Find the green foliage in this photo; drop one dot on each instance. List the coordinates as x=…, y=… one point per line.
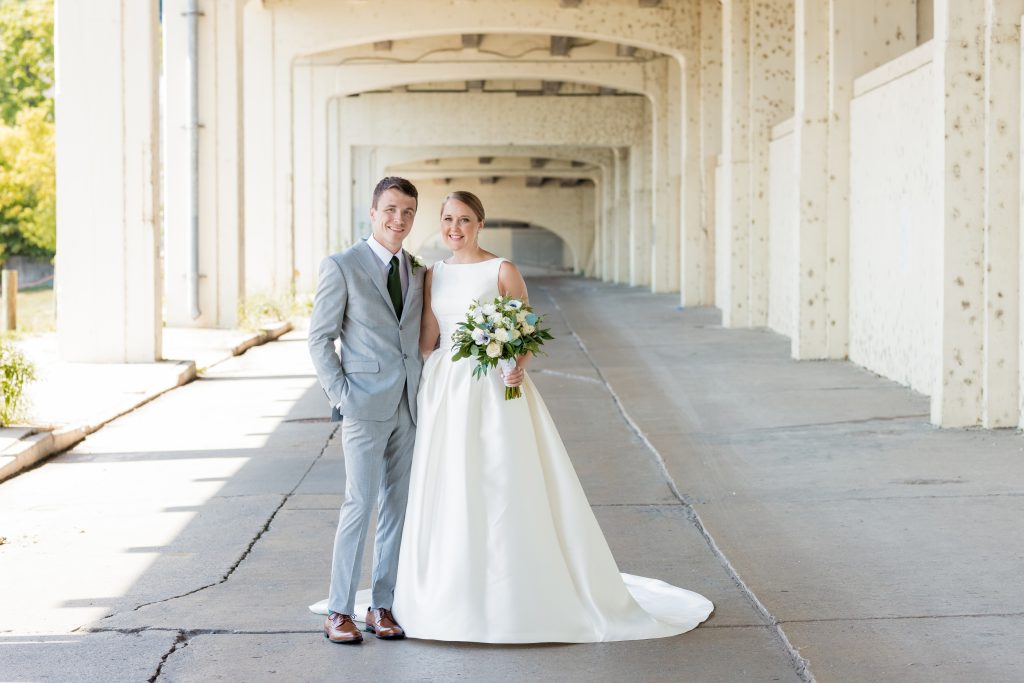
x=28, y=191
x=16, y=372
x=26, y=57
x=28, y=187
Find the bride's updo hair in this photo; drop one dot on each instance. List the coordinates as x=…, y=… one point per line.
x=467, y=198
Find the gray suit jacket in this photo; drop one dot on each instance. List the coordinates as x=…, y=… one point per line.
x=379, y=353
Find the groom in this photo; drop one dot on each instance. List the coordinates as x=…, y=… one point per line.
x=370, y=297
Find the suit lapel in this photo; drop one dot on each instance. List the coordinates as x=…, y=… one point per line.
x=372, y=266
x=414, y=296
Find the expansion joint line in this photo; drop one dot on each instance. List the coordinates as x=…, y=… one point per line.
x=800, y=665
x=253, y=542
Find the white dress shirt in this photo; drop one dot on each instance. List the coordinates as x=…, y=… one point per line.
x=384, y=254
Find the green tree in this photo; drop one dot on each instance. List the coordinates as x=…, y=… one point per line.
x=26, y=57
x=28, y=193
x=28, y=187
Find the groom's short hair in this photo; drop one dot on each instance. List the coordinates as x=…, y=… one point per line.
x=396, y=183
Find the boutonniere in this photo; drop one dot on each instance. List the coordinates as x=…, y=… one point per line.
x=417, y=262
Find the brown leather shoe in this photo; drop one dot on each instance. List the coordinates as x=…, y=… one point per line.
x=339, y=628
x=380, y=623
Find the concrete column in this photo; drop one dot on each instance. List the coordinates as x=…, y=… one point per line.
x=108, y=273
x=310, y=85
x=834, y=45
x=733, y=289
x=709, y=104
x=623, y=215
x=811, y=161
x=267, y=246
x=693, y=261
x=666, y=153
x=606, y=229
x=1001, y=362
x=771, y=102
x=640, y=203
x=221, y=210
x=334, y=182
x=959, y=61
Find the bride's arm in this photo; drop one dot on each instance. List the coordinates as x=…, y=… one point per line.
x=512, y=284
x=430, y=332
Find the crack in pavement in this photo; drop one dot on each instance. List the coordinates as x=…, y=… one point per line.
x=182, y=641
x=192, y=632
x=800, y=665
x=252, y=543
x=904, y=617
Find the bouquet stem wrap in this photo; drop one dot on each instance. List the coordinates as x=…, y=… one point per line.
x=507, y=365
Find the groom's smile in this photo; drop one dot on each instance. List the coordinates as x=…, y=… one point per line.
x=392, y=218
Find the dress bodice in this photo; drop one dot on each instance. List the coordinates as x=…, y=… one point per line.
x=453, y=287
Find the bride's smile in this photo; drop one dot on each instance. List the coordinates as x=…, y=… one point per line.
x=460, y=229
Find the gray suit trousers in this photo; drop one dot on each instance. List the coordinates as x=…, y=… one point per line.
x=378, y=459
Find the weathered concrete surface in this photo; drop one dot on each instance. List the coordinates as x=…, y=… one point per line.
x=886, y=548
x=68, y=401
x=190, y=535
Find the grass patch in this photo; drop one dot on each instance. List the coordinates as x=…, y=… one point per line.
x=36, y=313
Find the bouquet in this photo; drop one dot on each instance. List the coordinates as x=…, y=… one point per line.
x=495, y=334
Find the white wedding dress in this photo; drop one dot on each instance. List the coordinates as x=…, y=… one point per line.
x=500, y=544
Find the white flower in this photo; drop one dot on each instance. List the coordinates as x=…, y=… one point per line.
x=494, y=349
x=495, y=318
x=490, y=309
x=481, y=337
x=502, y=335
x=520, y=317
x=507, y=322
x=417, y=262
x=514, y=334
x=478, y=318
x=527, y=328
x=515, y=304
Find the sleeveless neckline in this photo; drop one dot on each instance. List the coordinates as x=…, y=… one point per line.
x=475, y=263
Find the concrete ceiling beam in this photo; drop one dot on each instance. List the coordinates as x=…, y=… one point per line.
x=538, y=162
x=625, y=50
x=483, y=161
x=535, y=181
x=383, y=45
x=471, y=41
x=560, y=46
x=560, y=174
x=551, y=87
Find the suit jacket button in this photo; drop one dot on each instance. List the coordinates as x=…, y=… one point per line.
x=404, y=356
x=400, y=327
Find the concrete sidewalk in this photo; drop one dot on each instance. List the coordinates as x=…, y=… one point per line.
x=68, y=401
x=810, y=501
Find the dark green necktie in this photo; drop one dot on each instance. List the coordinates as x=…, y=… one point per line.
x=395, y=286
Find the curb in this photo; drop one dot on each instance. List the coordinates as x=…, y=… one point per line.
x=35, y=448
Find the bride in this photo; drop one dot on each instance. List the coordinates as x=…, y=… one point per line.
x=500, y=544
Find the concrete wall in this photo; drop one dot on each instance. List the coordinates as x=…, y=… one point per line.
x=781, y=230
x=895, y=223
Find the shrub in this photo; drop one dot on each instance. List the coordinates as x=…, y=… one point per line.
x=16, y=372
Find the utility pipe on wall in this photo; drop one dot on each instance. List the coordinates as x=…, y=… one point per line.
x=192, y=14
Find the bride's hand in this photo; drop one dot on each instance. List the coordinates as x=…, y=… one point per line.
x=514, y=378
